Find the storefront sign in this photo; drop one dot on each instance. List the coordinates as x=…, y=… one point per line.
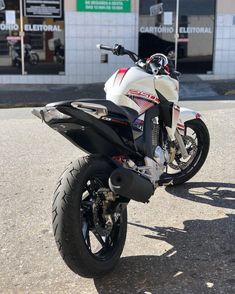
x=43, y=8
x=195, y=30
x=41, y=28
x=31, y=28
x=9, y=27
x=104, y=5
x=182, y=30
x=157, y=30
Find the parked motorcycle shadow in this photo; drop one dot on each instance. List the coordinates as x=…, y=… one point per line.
x=200, y=261
x=215, y=194
x=202, y=257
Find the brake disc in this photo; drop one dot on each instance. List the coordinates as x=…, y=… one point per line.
x=192, y=151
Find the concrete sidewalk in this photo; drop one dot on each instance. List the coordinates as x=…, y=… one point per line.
x=191, y=87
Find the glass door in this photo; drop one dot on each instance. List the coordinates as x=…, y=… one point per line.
x=43, y=41
x=157, y=27
x=10, y=46
x=157, y=32
x=196, y=36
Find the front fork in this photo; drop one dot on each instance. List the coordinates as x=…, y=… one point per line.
x=174, y=133
x=182, y=146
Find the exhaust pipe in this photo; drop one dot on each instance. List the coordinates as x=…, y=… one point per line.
x=129, y=184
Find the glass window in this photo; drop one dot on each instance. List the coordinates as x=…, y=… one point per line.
x=196, y=32
x=44, y=37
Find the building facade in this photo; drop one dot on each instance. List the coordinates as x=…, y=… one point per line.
x=60, y=38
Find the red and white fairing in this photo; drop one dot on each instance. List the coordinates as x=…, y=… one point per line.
x=134, y=88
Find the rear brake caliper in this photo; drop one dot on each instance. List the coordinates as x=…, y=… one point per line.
x=103, y=215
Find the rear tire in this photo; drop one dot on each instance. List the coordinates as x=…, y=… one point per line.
x=73, y=219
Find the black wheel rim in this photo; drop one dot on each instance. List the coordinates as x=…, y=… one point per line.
x=100, y=242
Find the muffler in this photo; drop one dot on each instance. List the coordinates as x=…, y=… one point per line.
x=130, y=184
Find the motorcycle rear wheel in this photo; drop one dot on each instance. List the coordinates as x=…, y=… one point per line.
x=201, y=146
x=78, y=220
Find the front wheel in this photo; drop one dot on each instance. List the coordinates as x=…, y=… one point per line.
x=197, y=141
x=89, y=228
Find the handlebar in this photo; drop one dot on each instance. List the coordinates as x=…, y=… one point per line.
x=104, y=47
x=154, y=68
x=118, y=50
x=155, y=64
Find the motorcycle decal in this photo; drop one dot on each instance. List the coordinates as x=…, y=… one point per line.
x=143, y=104
x=113, y=120
x=120, y=76
x=143, y=95
x=139, y=124
x=180, y=126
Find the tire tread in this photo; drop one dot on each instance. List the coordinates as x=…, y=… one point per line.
x=64, y=221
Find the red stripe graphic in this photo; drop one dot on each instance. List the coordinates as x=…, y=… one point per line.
x=180, y=126
x=143, y=95
x=143, y=104
x=120, y=75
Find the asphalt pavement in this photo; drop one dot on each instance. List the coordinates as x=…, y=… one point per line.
x=182, y=242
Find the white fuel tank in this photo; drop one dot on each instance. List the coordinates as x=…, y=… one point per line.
x=124, y=81
x=168, y=87
x=135, y=82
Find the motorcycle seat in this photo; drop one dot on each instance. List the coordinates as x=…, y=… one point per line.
x=113, y=109
x=125, y=112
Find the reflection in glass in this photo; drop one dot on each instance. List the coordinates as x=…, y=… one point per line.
x=44, y=42
x=196, y=32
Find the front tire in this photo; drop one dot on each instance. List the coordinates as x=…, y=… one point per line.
x=78, y=217
x=202, y=142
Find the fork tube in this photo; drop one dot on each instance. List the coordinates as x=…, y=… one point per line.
x=180, y=141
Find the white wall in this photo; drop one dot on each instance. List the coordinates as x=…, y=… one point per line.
x=83, y=30
x=224, y=56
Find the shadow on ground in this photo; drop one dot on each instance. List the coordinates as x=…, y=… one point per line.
x=215, y=194
x=201, y=259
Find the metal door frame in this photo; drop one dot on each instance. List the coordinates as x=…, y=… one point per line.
x=176, y=32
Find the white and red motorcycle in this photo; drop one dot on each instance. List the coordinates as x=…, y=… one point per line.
x=137, y=139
